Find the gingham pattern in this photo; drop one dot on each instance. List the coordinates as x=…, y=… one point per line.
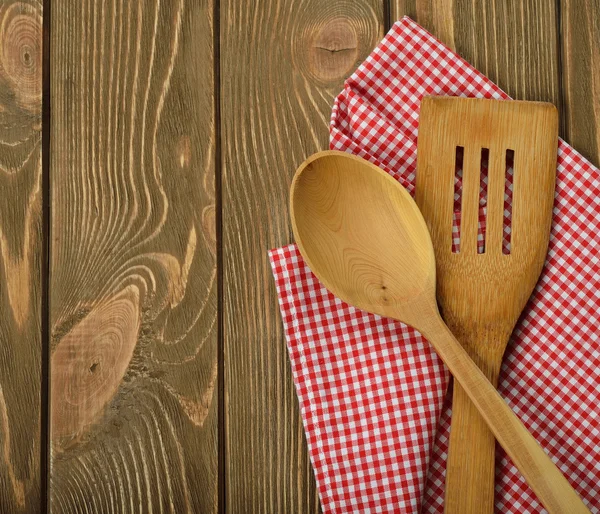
x=371, y=391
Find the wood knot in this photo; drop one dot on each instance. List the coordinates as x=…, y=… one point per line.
x=89, y=363
x=327, y=52
x=334, y=51
x=21, y=53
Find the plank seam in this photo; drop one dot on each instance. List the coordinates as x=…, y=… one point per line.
x=222, y=429
x=387, y=15
x=45, y=265
x=562, y=108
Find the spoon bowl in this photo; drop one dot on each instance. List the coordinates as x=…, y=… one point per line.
x=365, y=239
x=336, y=237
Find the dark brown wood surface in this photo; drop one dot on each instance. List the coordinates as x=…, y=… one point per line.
x=282, y=63
x=580, y=52
x=166, y=184
x=20, y=255
x=133, y=276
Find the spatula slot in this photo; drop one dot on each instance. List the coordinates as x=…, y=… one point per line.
x=458, y=180
x=483, y=183
x=509, y=165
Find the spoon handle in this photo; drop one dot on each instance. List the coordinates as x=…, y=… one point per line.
x=551, y=487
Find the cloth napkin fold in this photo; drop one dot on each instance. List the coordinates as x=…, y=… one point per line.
x=372, y=391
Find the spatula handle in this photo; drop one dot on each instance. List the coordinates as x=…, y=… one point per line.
x=470, y=468
x=551, y=487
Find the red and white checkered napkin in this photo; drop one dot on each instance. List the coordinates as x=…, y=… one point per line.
x=372, y=392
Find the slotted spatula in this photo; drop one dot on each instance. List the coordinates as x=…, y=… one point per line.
x=481, y=295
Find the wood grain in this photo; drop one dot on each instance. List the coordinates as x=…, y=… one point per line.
x=282, y=63
x=20, y=254
x=133, y=281
x=580, y=48
x=133, y=278
x=513, y=42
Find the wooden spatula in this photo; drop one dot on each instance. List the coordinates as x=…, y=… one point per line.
x=484, y=282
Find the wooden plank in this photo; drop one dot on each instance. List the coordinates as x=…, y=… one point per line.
x=513, y=42
x=20, y=254
x=580, y=47
x=133, y=278
x=282, y=64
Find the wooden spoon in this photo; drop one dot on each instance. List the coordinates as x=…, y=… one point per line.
x=365, y=239
x=482, y=293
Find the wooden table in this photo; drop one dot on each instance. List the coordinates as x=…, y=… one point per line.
x=146, y=149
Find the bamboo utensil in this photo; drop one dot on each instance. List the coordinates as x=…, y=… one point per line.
x=365, y=239
x=482, y=293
